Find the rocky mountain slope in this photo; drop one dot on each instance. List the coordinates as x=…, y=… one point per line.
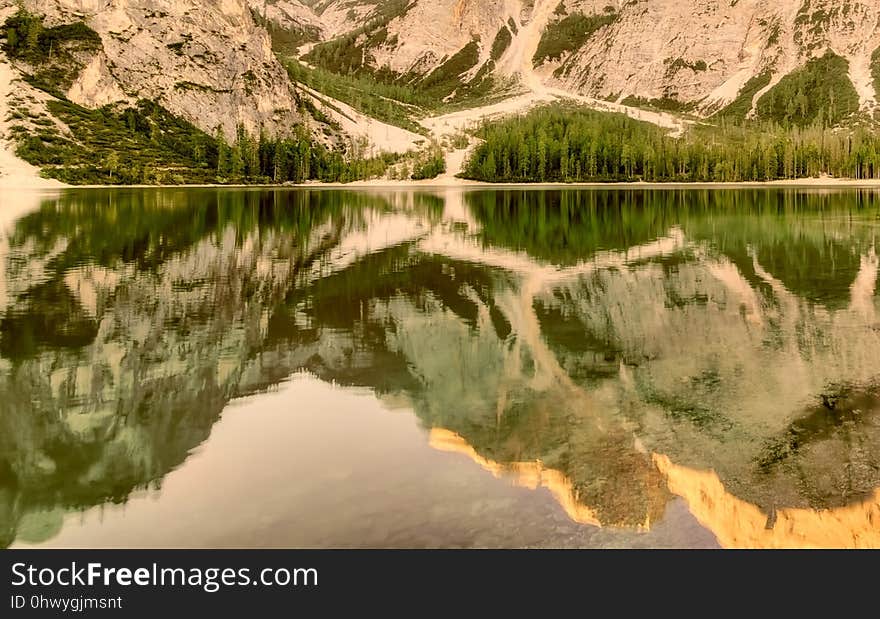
x=290, y=15
x=208, y=63
x=706, y=52
x=214, y=64
x=369, y=68
x=699, y=55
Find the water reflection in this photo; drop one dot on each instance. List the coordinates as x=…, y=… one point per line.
x=619, y=348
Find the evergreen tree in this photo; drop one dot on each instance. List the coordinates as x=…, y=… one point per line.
x=559, y=143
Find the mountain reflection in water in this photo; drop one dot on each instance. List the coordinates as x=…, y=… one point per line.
x=620, y=348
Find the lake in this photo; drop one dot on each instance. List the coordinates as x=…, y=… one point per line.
x=440, y=368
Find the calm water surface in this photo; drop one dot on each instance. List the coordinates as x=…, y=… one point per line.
x=440, y=368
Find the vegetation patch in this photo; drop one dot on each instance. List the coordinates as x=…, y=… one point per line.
x=875, y=71
x=140, y=144
x=665, y=104
x=813, y=23
x=570, y=33
x=393, y=103
x=674, y=65
x=739, y=108
x=446, y=78
x=501, y=43
x=429, y=165
x=820, y=91
x=56, y=54
x=146, y=144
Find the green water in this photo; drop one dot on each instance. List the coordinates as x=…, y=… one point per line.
x=440, y=368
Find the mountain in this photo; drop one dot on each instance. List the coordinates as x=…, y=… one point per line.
x=698, y=56
x=706, y=53
x=365, y=77
x=442, y=46
x=207, y=63
x=213, y=64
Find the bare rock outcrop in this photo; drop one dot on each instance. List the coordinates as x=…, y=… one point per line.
x=209, y=63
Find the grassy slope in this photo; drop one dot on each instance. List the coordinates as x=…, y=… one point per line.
x=394, y=104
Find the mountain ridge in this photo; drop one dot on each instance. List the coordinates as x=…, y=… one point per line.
x=700, y=55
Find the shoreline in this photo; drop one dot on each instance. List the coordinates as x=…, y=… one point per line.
x=455, y=183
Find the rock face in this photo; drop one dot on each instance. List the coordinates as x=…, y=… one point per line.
x=213, y=63
x=341, y=16
x=420, y=36
x=701, y=53
x=207, y=62
x=291, y=15
x=705, y=51
x=431, y=32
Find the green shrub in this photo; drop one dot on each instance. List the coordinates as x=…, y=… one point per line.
x=431, y=165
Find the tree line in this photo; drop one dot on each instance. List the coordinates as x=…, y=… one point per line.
x=293, y=159
x=558, y=143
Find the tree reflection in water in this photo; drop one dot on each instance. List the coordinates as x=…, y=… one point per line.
x=619, y=347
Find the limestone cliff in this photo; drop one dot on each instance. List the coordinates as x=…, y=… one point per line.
x=207, y=62
x=701, y=54
x=706, y=51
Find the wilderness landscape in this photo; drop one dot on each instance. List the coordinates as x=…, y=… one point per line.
x=439, y=273
x=284, y=91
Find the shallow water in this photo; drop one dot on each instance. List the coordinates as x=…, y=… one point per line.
x=449, y=368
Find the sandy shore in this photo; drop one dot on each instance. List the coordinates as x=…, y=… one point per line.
x=451, y=182
x=818, y=183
